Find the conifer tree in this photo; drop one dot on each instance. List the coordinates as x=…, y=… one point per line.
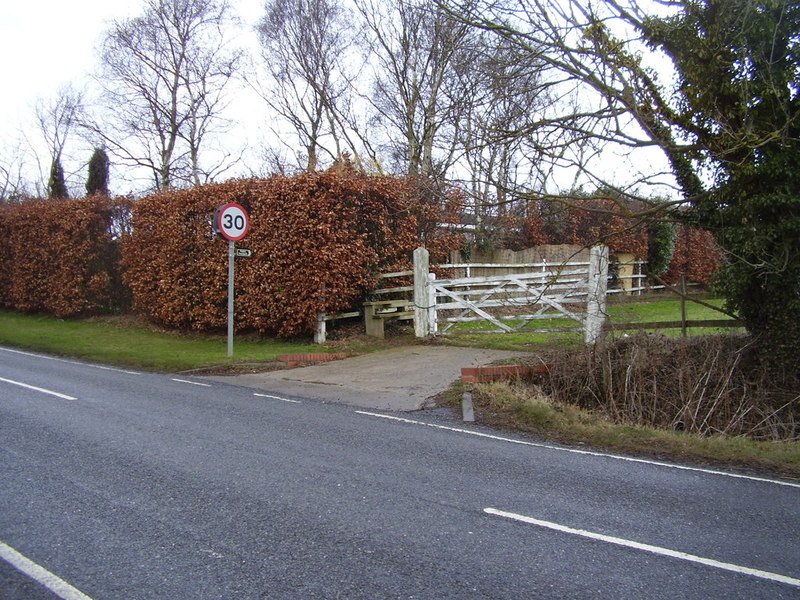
x=56, y=185
x=97, y=181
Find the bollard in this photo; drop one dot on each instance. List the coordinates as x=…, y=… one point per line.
x=467, y=412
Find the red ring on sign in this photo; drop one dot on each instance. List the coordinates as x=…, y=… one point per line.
x=228, y=221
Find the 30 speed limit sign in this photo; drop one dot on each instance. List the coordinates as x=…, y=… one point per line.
x=231, y=221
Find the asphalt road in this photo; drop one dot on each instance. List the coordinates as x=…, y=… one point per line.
x=122, y=485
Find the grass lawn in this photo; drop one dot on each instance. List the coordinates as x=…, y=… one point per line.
x=126, y=341
x=618, y=310
x=670, y=310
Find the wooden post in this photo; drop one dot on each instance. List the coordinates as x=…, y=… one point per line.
x=467, y=407
x=320, y=335
x=433, y=323
x=422, y=325
x=627, y=266
x=596, y=299
x=373, y=325
x=683, y=305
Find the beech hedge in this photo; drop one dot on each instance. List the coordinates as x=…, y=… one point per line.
x=696, y=256
x=318, y=239
x=60, y=256
x=584, y=222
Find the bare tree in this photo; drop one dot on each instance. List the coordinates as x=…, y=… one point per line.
x=722, y=109
x=13, y=185
x=507, y=93
x=600, y=104
x=56, y=119
x=164, y=79
x=419, y=50
x=305, y=45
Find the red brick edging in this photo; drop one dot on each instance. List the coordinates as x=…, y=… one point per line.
x=292, y=360
x=486, y=374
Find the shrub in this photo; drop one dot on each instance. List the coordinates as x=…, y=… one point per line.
x=696, y=256
x=318, y=241
x=700, y=384
x=60, y=257
x=585, y=222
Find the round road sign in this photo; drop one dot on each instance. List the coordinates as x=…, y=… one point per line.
x=232, y=221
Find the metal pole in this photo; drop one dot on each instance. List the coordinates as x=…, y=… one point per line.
x=231, y=253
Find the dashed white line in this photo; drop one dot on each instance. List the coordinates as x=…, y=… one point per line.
x=70, y=362
x=37, y=389
x=41, y=575
x=277, y=398
x=583, y=452
x=192, y=382
x=709, y=562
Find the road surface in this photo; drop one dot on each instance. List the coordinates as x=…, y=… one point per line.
x=116, y=484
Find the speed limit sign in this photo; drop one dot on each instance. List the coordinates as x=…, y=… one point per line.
x=231, y=221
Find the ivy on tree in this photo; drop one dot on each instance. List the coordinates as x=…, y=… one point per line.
x=739, y=85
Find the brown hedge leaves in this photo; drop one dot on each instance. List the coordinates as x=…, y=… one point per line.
x=318, y=241
x=60, y=257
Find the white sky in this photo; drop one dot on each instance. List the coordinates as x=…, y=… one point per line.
x=46, y=44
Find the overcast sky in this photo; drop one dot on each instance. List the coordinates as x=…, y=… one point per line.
x=46, y=44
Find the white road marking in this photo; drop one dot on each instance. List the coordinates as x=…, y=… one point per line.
x=41, y=575
x=584, y=452
x=37, y=389
x=709, y=562
x=70, y=362
x=277, y=398
x=192, y=382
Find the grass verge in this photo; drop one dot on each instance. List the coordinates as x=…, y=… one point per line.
x=130, y=342
x=523, y=407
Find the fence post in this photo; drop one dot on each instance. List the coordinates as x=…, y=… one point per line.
x=321, y=332
x=596, y=298
x=433, y=323
x=422, y=325
x=683, y=305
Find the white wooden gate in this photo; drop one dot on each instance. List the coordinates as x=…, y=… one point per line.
x=514, y=302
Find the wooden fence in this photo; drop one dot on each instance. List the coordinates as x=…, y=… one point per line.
x=521, y=298
x=575, y=291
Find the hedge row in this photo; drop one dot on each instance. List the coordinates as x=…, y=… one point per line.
x=696, y=257
x=584, y=222
x=318, y=242
x=60, y=257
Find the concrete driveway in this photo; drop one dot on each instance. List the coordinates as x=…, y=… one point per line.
x=401, y=379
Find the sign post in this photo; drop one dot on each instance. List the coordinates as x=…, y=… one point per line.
x=232, y=222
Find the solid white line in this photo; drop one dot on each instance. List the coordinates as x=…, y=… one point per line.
x=278, y=398
x=710, y=562
x=70, y=362
x=38, y=573
x=583, y=452
x=192, y=382
x=37, y=389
